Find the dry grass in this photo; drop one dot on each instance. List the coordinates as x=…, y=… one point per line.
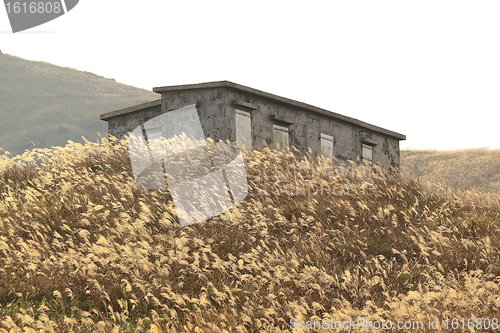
x=83, y=248
x=461, y=169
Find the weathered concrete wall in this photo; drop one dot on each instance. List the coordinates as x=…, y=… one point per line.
x=210, y=104
x=305, y=127
x=121, y=124
x=216, y=108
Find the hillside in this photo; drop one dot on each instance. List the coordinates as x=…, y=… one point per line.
x=48, y=105
x=83, y=248
x=461, y=169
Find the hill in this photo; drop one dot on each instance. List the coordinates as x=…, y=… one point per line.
x=461, y=169
x=48, y=105
x=83, y=248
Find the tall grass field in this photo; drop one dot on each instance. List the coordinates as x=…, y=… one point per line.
x=316, y=242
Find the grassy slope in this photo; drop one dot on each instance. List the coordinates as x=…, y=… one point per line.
x=38, y=99
x=83, y=248
x=462, y=169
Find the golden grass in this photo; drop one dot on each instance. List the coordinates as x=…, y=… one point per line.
x=83, y=248
x=461, y=169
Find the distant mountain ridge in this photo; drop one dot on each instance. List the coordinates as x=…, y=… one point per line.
x=46, y=105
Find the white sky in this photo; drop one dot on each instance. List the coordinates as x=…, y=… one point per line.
x=427, y=69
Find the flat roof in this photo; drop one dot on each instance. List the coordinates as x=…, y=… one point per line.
x=235, y=86
x=147, y=105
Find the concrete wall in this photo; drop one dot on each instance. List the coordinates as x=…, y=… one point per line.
x=305, y=127
x=210, y=104
x=216, y=108
x=121, y=124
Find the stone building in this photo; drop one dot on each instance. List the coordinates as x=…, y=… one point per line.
x=230, y=111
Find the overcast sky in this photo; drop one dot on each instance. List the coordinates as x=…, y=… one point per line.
x=427, y=69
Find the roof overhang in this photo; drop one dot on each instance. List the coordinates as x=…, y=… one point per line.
x=235, y=86
x=139, y=107
x=239, y=87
